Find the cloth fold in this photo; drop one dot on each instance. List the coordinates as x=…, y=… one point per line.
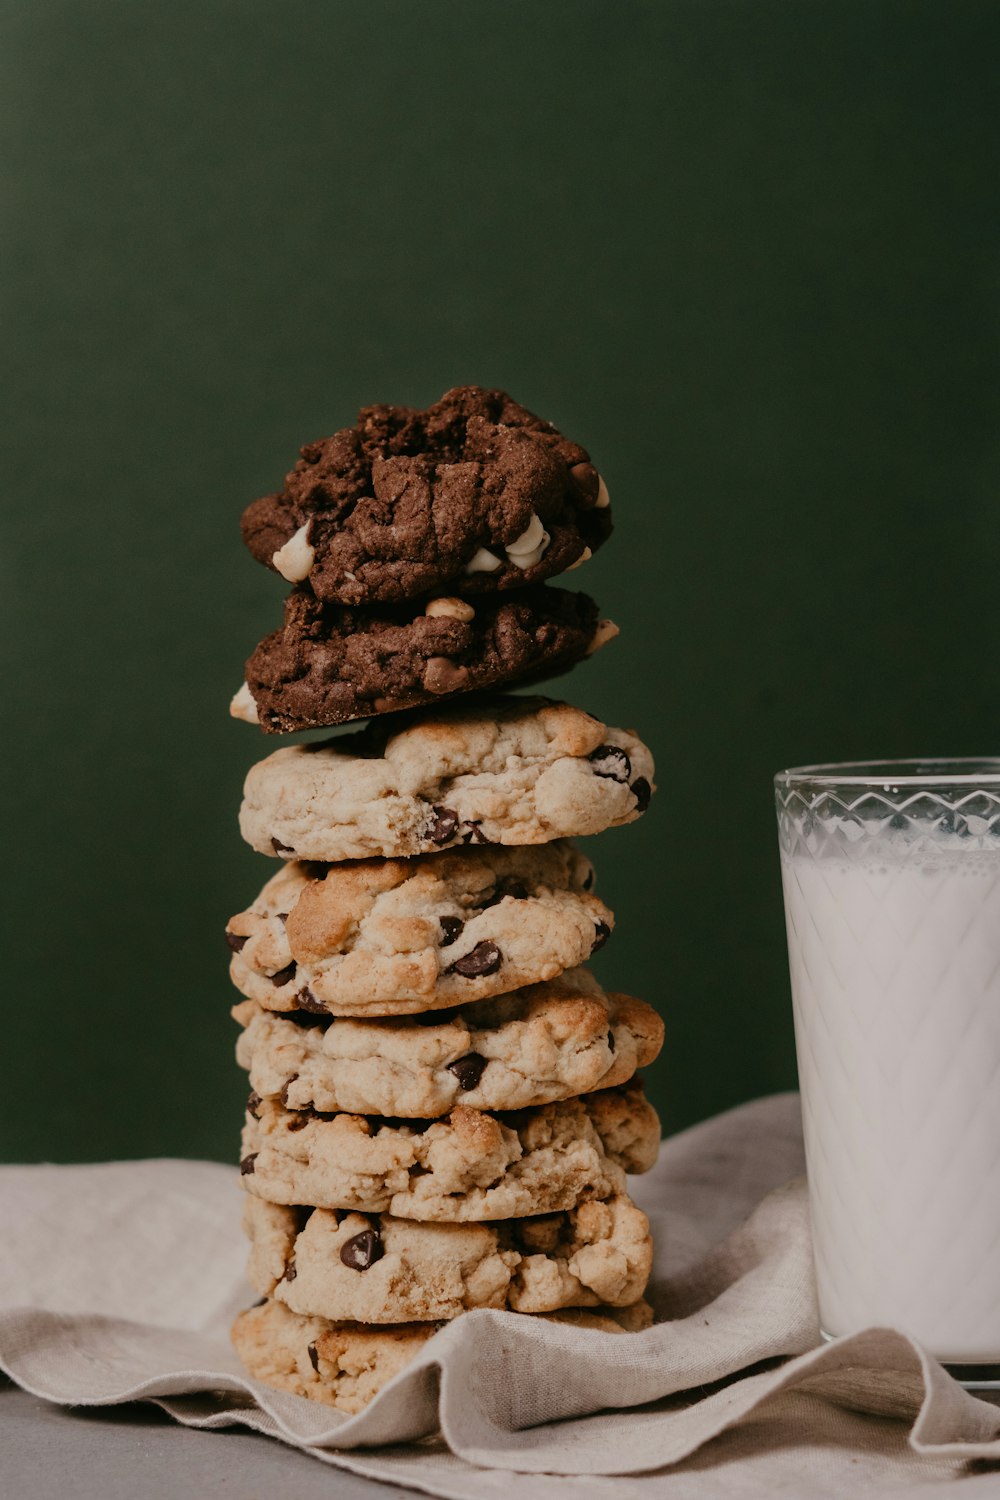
x=119, y=1282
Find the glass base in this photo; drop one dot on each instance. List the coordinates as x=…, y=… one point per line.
x=972, y=1377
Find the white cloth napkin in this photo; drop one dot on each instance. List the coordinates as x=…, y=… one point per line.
x=119, y=1282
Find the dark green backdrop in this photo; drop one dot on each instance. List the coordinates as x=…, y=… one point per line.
x=746, y=251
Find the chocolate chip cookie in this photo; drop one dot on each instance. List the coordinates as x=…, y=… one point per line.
x=373, y=1268
x=467, y=1166
x=330, y=664
x=510, y=771
x=534, y=1046
x=345, y=1365
x=391, y=937
x=476, y=494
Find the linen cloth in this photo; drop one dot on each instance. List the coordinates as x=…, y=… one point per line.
x=119, y=1282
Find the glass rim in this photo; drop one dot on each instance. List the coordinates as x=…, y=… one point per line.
x=881, y=775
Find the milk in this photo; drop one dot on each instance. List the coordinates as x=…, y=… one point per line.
x=895, y=965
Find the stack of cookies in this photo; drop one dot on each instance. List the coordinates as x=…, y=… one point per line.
x=444, y=1099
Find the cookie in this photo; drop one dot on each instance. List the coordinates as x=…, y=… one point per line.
x=330, y=663
x=345, y=1365
x=512, y=771
x=534, y=1046
x=389, y=937
x=475, y=494
x=379, y=1269
x=467, y=1166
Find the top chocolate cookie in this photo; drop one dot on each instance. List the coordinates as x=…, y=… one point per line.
x=476, y=492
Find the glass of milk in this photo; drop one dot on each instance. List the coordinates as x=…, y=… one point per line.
x=891, y=875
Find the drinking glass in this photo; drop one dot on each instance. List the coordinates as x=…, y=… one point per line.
x=891, y=877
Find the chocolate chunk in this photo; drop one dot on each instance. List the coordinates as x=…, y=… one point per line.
x=610, y=761
x=611, y=1041
x=443, y=827
x=586, y=483
x=253, y=1104
x=363, y=1250
x=468, y=1070
x=313, y=1357
x=284, y=1092
x=246, y=1165
x=451, y=928
x=473, y=834
x=603, y=933
x=506, y=886
x=282, y=849
x=299, y=1121
x=283, y=975
x=306, y=1000
x=485, y=958
x=236, y=943
x=282, y=917
x=642, y=792
x=290, y=1271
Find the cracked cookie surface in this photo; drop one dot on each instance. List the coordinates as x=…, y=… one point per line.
x=390, y=937
x=379, y=1269
x=345, y=1365
x=468, y=1165
x=329, y=664
x=475, y=493
x=510, y=771
x=536, y=1045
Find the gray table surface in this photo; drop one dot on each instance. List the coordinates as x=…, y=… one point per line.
x=136, y=1452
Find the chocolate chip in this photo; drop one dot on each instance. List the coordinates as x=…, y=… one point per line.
x=299, y=1121
x=284, y=1092
x=282, y=849
x=586, y=483
x=282, y=917
x=468, y=1070
x=306, y=1000
x=506, y=886
x=485, y=958
x=236, y=943
x=451, y=928
x=290, y=1271
x=442, y=675
x=313, y=1357
x=642, y=792
x=444, y=825
x=253, y=1104
x=283, y=975
x=611, y=1041
x=611, y=761
x=363, y=1250
x=246, y=1165
x=473, y=834
x=603, y=933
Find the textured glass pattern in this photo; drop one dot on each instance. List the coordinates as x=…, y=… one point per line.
x=892, y=899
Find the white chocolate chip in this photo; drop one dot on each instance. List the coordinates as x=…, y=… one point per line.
x=451, y=609
x=483, y=562
x=603, y=498
x=585, y=556
x=294, y=560
x=243, y=707
x=527, y=549
x=605, y=632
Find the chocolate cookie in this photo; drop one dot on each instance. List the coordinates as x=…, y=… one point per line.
x=536, y=1045
x=468, y=1166
x=375, y=1268
x=330, y=664
x=381, y=937
x=507, y=771
x=475, y=493
x=345, y=1365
